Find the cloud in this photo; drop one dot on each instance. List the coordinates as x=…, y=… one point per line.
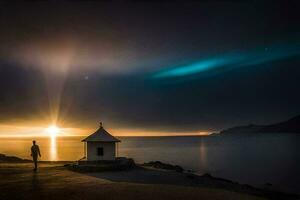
x=62, y=53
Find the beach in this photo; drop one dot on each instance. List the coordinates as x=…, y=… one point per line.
x=54, y=181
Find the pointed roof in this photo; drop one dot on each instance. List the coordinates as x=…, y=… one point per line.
x=101, y=135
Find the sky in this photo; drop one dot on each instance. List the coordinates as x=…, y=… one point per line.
x=148, y=68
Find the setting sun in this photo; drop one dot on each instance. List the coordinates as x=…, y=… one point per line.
x=53, y=130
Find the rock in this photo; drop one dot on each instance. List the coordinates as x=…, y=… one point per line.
x=207, y=175
x=160, y=165
x=178, y=168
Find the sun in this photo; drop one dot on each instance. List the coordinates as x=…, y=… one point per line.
x=53, y=130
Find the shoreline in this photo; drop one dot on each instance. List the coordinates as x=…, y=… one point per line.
x=162, y=173
x=55, y=182
x=150, y=175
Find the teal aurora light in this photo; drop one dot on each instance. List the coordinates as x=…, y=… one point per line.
x=230, y=61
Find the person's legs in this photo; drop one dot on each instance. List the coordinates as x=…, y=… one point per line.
x=35, y=162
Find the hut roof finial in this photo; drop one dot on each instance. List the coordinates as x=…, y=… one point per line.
x=101, y=125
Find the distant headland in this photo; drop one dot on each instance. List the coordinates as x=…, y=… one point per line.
x=290, y=126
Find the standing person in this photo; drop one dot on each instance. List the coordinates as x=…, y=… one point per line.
x=35, y=152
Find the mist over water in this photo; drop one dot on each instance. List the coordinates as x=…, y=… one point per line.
x=252, y=159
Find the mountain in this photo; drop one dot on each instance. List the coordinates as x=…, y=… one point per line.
x=290, y=126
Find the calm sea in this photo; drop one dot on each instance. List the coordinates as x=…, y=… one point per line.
x=252, y=159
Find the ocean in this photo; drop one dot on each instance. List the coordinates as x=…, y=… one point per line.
x=255, y=159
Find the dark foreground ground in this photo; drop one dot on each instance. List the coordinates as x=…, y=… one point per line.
x=53, y=181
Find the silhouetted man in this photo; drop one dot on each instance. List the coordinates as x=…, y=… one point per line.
x=35, y=152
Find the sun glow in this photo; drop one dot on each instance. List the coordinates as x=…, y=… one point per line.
x=53, y=130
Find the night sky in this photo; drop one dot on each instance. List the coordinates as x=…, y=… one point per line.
x=156, y=66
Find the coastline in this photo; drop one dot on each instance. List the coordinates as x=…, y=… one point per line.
x=138, y=177
x=56, y=182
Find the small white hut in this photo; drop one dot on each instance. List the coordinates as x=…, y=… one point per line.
x=100, y=145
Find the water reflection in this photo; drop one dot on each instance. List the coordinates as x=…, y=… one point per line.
x=203, y=154
x=53, y=151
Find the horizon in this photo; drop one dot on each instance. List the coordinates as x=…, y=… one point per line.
x=7, y=131
x=41, y=131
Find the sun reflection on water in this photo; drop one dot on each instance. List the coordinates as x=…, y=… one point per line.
x=53, y=151
x=53, y=132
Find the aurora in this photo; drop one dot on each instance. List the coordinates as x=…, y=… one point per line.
x=229, y=61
